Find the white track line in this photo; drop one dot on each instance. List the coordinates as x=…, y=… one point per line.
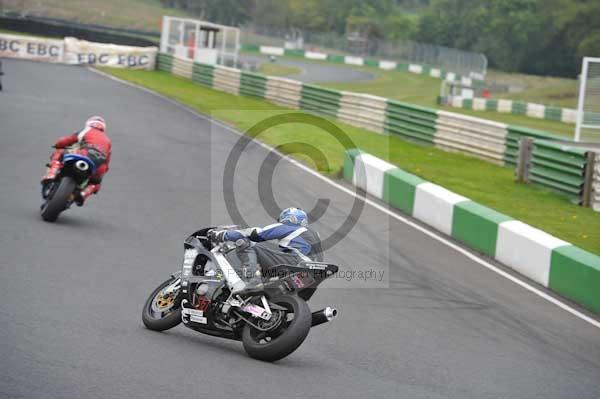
x=433, y=234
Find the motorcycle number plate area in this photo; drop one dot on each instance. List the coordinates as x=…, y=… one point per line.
x=257, y=311
x=198, y=319
x=302, y=280
x=196, y=316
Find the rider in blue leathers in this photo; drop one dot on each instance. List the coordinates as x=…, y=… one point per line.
x=296, y=243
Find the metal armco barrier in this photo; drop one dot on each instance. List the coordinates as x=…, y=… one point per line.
x=477, y=137
x=410, y=121
x=253, y=85
x=514, y=134
x=321, y=100
x=595, y=192
x=164, y=62
x=551, y=164
x=227, y=79
x=284, y=92
x=203, y=74
x=556, y=166
x=183, y=68
x=363, y=110
x=559, y=167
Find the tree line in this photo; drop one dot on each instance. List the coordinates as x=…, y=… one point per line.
x=545, y=37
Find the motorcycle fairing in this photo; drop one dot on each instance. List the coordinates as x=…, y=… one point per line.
x=77, y=157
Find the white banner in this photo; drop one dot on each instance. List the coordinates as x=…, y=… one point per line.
x=353, y=60
x=315, y=56
x=101, y=54
x=74, y=51
x=271, y=50
x=32, y=48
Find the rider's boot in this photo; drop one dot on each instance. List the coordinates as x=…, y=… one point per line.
x=81, y=196
x=52, y=170
x=54, y=166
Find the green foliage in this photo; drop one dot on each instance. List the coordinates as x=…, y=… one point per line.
x=589, y=45
x=306, y=14
x=399, y=26
x=227, y=12
x=543, y=37
x=546, y=37
x=371, y=18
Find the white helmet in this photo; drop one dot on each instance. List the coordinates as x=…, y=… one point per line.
x=293, y=216
x=96, y=122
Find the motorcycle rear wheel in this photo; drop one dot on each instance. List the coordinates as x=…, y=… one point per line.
x=59, y=200
x=169, y=317
x=284, y=339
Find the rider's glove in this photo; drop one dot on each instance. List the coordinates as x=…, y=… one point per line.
x=218, y=236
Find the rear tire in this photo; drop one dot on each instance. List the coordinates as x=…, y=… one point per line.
x=162, y=323
x=292, y=337
x=59, y=200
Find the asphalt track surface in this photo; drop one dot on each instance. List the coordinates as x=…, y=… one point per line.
x=314, y=71
x=72, y=291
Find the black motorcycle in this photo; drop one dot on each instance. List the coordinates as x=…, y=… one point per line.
x=272, y=322
x=60, y=193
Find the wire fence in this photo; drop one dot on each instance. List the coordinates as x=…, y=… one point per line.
x=407, y=51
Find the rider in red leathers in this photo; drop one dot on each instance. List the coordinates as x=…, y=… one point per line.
x=95, y=144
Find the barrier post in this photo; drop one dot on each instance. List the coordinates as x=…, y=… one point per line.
x=588, y=181
x=524, y=159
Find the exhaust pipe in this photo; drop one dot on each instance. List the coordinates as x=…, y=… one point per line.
x=323, y=316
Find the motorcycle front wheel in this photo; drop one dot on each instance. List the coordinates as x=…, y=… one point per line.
x=288, y=329
x=162, y=311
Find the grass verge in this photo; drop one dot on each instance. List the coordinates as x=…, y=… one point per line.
x=557, y=92
x=271, y=69
x=132, y=14
x=423, y=90
x=480, y=181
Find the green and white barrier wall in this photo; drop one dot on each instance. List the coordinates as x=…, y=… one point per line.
x=492, y=141
x=532, y=110
x=361, y=61
x=547, y=260
x=595, y=197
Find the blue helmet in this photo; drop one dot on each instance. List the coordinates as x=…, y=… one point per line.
x=293, y=216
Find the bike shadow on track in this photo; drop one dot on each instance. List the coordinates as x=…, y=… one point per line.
x=214, y=346
x=71, y=221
